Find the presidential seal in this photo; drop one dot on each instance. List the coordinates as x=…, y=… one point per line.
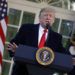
x=45, y=56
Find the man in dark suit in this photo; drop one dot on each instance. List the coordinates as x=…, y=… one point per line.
x=30, y=34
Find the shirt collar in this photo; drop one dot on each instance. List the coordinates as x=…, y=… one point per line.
x=41, y=28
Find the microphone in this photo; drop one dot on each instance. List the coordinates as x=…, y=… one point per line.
x=48, y=26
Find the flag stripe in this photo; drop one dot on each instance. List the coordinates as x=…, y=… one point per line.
x=2, y=34
x=0, y=62
x=0, y=58
x=4, y=26
x=6, y=20
x=0, y=68
x=1, y=46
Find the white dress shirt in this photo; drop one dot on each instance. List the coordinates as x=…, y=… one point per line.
x=41, y=31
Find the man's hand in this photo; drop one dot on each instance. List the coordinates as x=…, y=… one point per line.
x=12, y=47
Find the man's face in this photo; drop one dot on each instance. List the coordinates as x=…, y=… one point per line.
x=47, y=17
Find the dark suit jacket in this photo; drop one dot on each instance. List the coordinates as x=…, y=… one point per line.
x=28, y=35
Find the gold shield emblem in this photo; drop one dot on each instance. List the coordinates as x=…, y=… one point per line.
x=45, y=56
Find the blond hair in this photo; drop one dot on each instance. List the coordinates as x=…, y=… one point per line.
x=46, y=9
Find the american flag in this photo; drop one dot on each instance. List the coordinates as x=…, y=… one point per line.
x=3, y=28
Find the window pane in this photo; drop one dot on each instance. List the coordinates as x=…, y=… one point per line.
x=14, y=16
x=55, y=25
x=11, y=31
x=66, y=27
x=6, y=54
x=65, y=42
x=28, y=17
x=5, y=68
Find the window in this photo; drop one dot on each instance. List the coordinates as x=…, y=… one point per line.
x=14, y=16
x=56, y=25
x=66, y=27
x=28, y=17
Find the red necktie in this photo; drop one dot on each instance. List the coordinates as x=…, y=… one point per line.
x=43, y=39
